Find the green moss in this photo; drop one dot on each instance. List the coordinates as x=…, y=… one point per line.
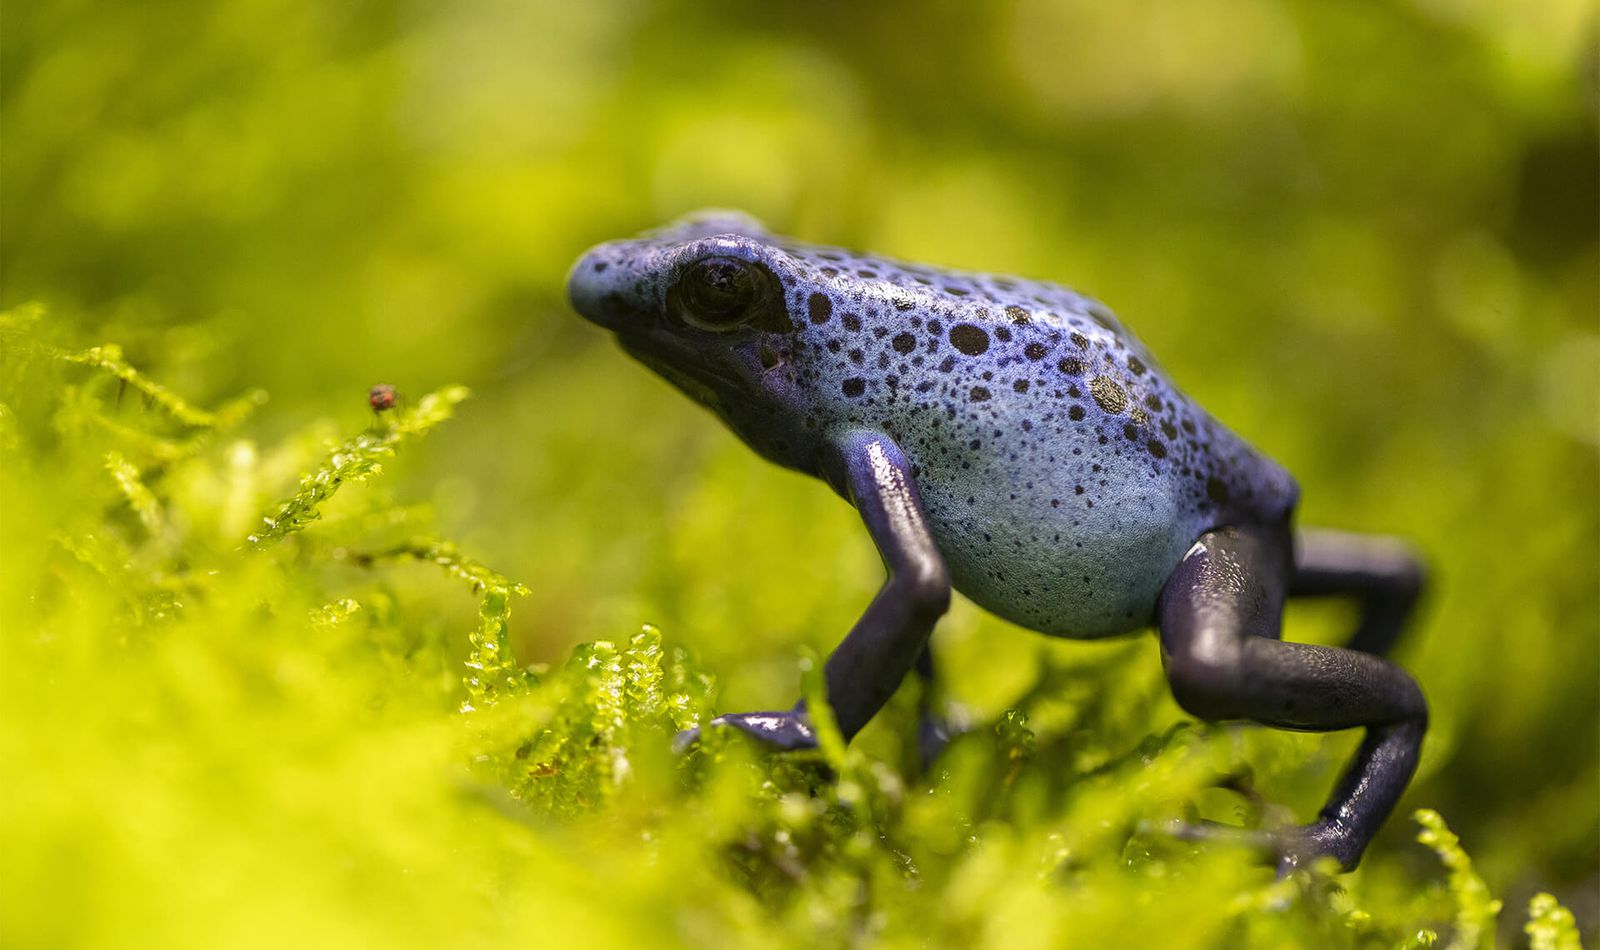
x=1476, y=910
x=1550, y=926
x=220, y=709
x=357, y=459
x=109, y=358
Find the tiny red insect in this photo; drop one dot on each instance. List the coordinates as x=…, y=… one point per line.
x=381, y=397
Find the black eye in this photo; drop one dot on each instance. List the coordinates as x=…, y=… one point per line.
x=720, y=293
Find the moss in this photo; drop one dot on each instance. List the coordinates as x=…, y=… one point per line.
x=1551, y=926
x=211, y=742
x=356, y=459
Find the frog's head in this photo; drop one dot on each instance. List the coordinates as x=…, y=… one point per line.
x=702, y=303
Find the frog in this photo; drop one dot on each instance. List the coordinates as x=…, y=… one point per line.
x=1010, y=439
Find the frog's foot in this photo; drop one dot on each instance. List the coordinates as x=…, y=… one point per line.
x=934, y=732
x=1290, y=849
x=785, y=731
x=1220, y=616
x=1301, y=846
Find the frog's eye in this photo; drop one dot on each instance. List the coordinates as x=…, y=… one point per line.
x=721, y=293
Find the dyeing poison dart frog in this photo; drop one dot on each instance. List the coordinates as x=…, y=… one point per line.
x=1011, y=439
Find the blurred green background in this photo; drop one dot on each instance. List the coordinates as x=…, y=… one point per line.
x=1363, y=234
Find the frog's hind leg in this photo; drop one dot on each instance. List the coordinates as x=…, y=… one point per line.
x=1219, y=617
x=1382, y=573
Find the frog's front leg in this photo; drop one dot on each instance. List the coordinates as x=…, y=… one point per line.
x=887, y=641
x=1219, y=619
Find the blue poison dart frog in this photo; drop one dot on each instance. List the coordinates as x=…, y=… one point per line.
x=1011, y=439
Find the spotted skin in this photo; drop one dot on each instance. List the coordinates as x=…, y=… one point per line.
x=1062, y=473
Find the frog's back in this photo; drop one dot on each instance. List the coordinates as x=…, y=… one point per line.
x=1063, y=472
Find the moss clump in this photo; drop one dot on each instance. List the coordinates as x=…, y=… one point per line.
x=357, y=459
x=302, y=739
x=1550, y=926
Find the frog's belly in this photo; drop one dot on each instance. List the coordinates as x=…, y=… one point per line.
x=1062, y=563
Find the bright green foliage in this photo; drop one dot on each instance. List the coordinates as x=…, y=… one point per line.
x=1036, y=830
x=578, y=730
x=109, y=358
x=140, y=498
x=491, y=669
x=357, y=459
x=1476, y=910
x=1550, y=926
x=1362, y=234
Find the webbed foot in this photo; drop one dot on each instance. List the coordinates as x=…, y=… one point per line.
x=1289, y=849
x=787, y=731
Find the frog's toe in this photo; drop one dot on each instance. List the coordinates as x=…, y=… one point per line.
x=785, y=731
x=1289, y=849
x=1299, y=847
x=685, y=740
x=934, y=732
x=1207, y=831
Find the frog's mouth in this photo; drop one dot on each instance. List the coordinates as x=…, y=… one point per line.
x=684, y=367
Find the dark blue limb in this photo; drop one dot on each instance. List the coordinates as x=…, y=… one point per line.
x=934, y=729
x=1219, y=618
x=886, y=643
x=1382, y=573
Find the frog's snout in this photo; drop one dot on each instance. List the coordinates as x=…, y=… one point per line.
x=592, y=289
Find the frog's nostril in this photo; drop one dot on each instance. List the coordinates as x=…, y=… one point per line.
x=591, y=293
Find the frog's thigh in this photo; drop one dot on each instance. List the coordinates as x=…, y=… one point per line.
x=1219, y=620
x=1382, y=573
